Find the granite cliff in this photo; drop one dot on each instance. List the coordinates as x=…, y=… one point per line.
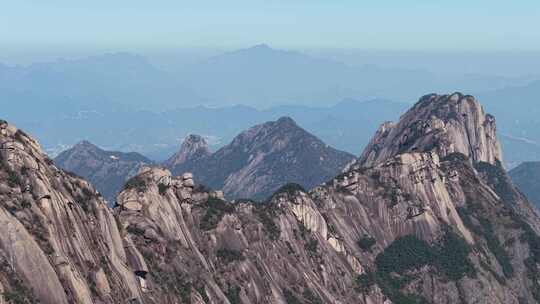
x=436, y=220
x=59, y=242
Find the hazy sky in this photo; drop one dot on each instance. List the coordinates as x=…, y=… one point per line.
x=375, y=24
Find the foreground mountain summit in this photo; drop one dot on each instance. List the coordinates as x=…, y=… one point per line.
x=422, y=218
x=260, y=160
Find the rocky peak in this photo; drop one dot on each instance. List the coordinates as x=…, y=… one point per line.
x=263, y=158
x=441, y=123
x=285, y=121
x=274, y=135
x=107, y=170
x=194, y=147
x=85, y=144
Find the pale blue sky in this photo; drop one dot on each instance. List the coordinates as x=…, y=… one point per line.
x=378, y=24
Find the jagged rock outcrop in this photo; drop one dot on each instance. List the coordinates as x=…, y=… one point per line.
x=193, y=149
x=441, y=123
x=106, y=170
x=201, y=247
x=431, y=226
x=527, y=177
x=260, y=160
x=425, y=226
x=59, y=242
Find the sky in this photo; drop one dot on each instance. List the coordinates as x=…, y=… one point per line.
x=458, y=25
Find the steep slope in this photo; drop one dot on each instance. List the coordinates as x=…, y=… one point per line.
x=117, y=80
x=193, y=149
x=416, y=227
x=106, y=170
x=59, y=242
x=263, y=158
x=527, y=178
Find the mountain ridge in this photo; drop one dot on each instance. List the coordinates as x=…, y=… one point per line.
x=263, y=158
x=107, y=170
x=415, y=226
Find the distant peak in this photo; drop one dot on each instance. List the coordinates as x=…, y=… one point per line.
x=85, y=144
x=285, y=120
x=193, y=147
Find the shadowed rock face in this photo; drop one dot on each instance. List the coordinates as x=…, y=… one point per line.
x=527, y=177
x=106, y=170
x=260, y=160
x=416, y=227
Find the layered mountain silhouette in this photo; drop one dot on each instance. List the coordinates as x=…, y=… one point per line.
x=193, y=150
x=426, y=215
x=100, y=95
x=254, y=165
x=260, y=160
x=264, y=76
x=108, y=171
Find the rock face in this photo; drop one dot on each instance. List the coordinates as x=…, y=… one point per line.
x=106, y=170
x=442, y=123
x=193, y=150
x=423, y=226
x=431, y=226
x=260, y=160
x=59, y=242
x=527, y=178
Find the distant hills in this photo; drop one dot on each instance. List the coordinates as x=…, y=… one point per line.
x=99, y=83
x=262, y=76
x=254, y=164
x=346, y=126
x=102, y=97
x=259, y=76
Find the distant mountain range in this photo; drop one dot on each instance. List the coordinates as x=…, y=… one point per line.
x=262, y=76
x=255, y=164
x=260, y=160
x=102, y=96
